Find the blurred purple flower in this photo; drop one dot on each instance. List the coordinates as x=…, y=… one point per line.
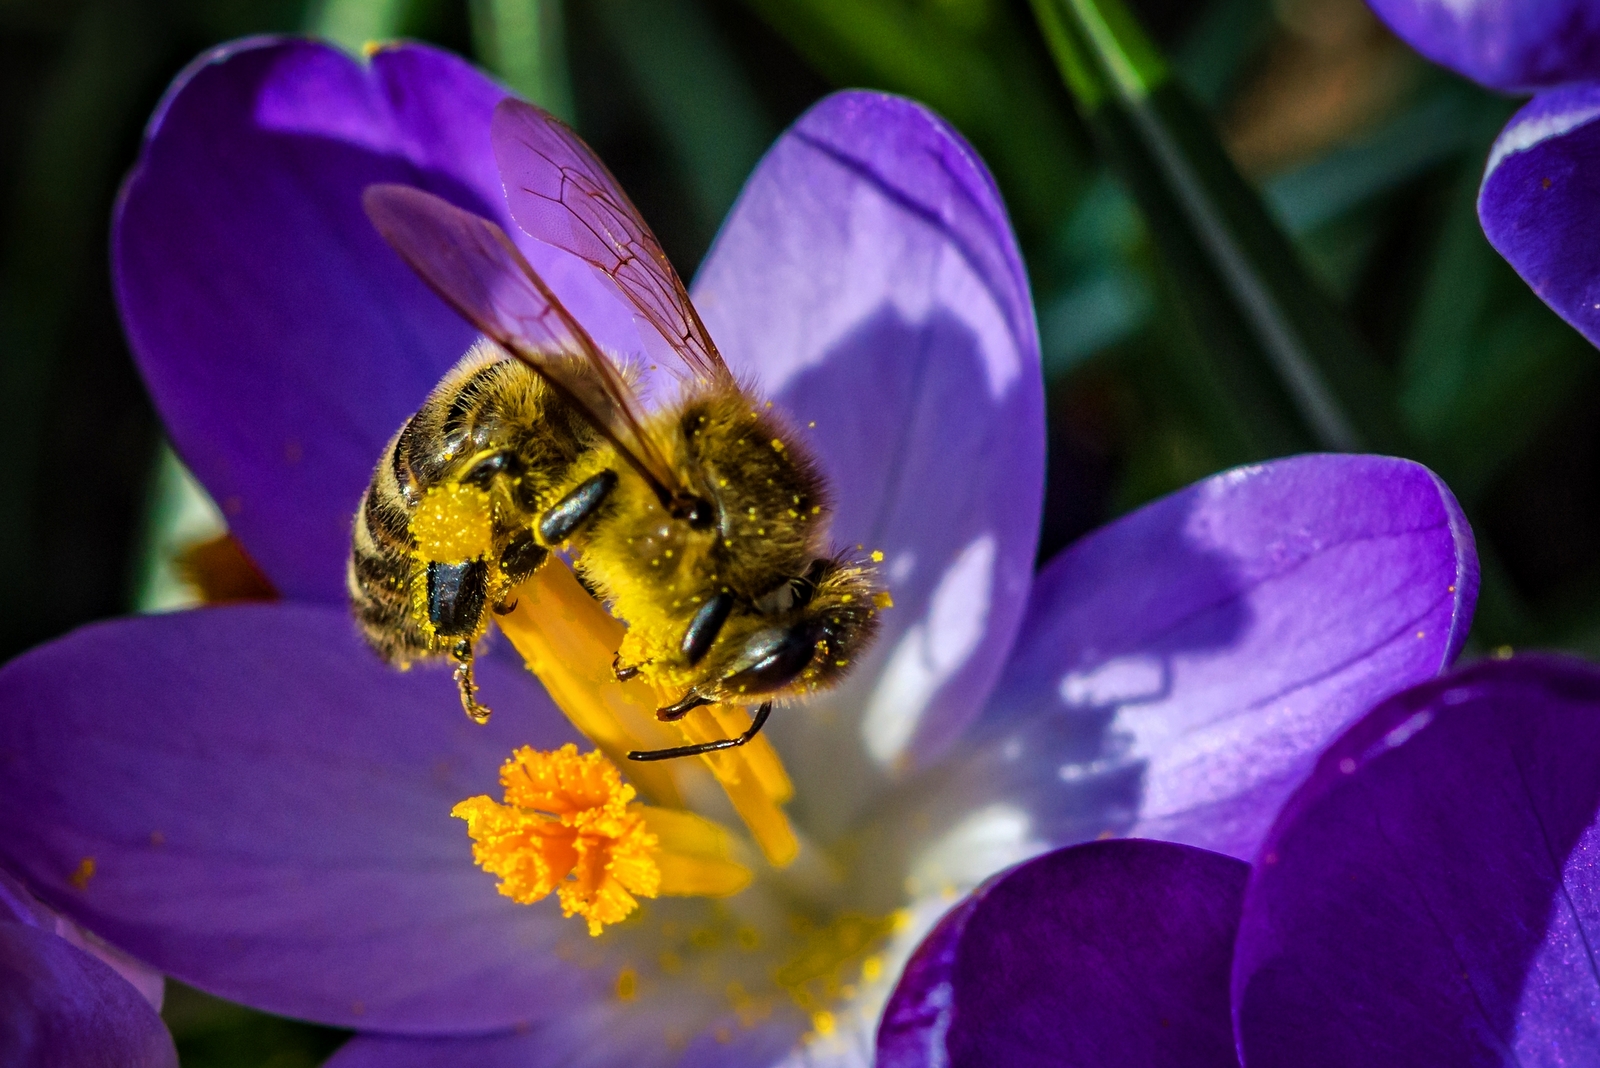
x=1541, y=188
x=68, y=1001
x=1430, y=895
x=268, y=807
x=1512, y=45
x=1540, y=201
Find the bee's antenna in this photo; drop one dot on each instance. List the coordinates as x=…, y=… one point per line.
x=468, y=688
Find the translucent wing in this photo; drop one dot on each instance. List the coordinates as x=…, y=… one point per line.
x=473, y=265
x=561, y=193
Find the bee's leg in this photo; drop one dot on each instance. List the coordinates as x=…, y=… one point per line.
x=705, y=626
x=708, y=747
x=623, y=672
x=456, y=593
x=569, y=513
x=521, y=558
x=690, y=702
x=464, y=683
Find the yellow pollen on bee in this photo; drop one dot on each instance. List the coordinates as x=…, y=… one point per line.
x=881, y=599
x=454, y=523
x=777, y=444
x=877, y=556
x=570, y=826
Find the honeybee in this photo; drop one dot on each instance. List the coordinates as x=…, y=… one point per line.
x=701, y=523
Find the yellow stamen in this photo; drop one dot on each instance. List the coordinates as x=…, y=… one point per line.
x=569, y=825
x=569, y=640
x=696, y=857
x=453, y=524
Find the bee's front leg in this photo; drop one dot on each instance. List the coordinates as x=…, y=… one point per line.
x=691, y=701
x=623, y=672
x=708, y=747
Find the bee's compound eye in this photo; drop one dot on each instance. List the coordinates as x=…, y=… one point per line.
x=772, y=658
x=456, y=595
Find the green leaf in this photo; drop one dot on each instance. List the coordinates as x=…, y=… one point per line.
x=352, y=24
x=973, y=62
x=1277, y=362
x=523, y=41
x=1486, y=364
x=696, y=96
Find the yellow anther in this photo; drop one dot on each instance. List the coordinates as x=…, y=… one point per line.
x=453, y=524
x=569, y=825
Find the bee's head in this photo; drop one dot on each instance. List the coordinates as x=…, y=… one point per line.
x=804, y=635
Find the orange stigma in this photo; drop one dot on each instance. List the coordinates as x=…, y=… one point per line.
x=570, y=825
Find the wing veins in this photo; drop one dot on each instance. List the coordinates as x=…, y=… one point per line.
x=460, y=256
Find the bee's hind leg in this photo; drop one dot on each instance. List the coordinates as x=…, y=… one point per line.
x=708, y=747
x=465, y=684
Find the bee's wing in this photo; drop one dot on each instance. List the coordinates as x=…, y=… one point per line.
x=473, y=265
x=560, y=193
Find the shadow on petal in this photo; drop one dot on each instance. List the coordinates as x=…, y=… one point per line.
x=1100, y=954
x=1431, y=895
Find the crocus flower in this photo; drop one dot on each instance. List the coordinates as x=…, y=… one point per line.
x=1541, y=197
x=1541, y=187
x=268, y=808
x=1427, y=896
x=69, y=1001
x=1514, y=45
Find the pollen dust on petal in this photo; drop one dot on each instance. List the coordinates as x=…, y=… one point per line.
x=567, y=826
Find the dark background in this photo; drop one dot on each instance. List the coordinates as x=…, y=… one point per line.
x=1367, y=156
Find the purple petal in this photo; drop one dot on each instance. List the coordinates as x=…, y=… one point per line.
x=1431, y=895
x=63, y=1008
x=868, y=280
x=282, y=341
x=1108, y=953
x=618, y=1035
x=1180, y=669
x=18, y=905
x=1540, y=196
x=1505, y=44
x=267, y=808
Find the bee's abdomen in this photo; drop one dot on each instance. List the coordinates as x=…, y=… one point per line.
x=380, y=574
